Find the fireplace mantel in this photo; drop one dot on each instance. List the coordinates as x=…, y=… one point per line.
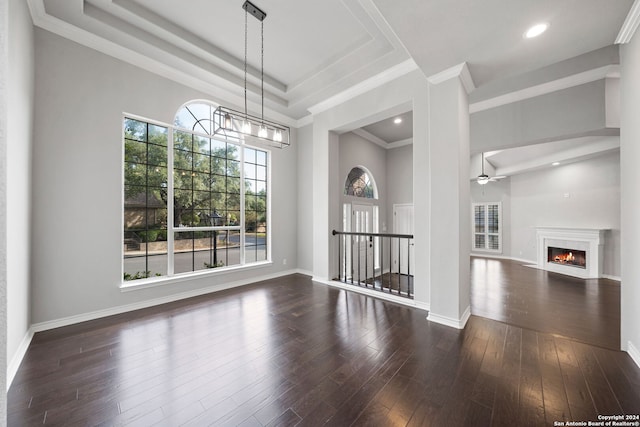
x=590, y=240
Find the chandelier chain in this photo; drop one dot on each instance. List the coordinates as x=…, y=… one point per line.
x=245, y=62
x=262, y=66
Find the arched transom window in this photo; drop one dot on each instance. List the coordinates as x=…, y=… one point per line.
x=360, y=184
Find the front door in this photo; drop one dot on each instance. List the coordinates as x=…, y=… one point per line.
x=362, y=267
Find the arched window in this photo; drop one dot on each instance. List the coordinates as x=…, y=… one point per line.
x=193, y=200
x=196, y=116
x=359, y=183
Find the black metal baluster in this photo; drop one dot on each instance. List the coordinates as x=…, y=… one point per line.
x=351, y=252
x=339, y=258
x=408, y=265
x=399, y=269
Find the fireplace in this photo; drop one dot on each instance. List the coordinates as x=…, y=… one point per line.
x=563, y=256
x=572, y=251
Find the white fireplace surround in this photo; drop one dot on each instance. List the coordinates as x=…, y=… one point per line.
x=590, y=240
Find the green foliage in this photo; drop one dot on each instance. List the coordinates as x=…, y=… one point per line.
x=139, y=275
x=149, y=235
x=211, y=265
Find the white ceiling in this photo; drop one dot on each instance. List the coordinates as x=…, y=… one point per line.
x=317, y=51
x=534, y=157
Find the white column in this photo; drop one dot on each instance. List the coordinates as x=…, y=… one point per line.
x=630, y=195
x=450, y=241
x=4, y=56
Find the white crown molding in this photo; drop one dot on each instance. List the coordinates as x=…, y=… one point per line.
x=306, y=120
x=370, y=137
x=380, y=142
x=369, y=84
x=608, y=71
x=401, y=143
x=630, y=24
x=461, y=71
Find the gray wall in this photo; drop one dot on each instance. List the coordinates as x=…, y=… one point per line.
x=305, y=198
x=581, y=108
x=593, y=189
x=19, y=150
x=630, y=176
x=4, y=56
x=77, y=212
x=498, y=191
x=399, y=179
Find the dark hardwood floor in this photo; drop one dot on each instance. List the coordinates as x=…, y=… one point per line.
x=583, y=310
x=287, y=352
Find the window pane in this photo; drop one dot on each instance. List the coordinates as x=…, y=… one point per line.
x=492, y=218
x=232, y=152
x=157, y=176
x=201, y=144
x=493, y=242
x=136, y=130
x=261, y=158
x=249, y=155
x=261, y=173
x=182, y=141
x=218, y=148
x=479, y=241
x=135, y=152
x=158, y=135
x=479, y=219
x=250, y=171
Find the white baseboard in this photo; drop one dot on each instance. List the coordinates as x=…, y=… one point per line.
x=488, y=255
x=304, y=272
x=633, y=352
x=450, y=321
x=423, y=305
x=616, y=278
x=66, y=321
x=16, y=360
x=373, y=293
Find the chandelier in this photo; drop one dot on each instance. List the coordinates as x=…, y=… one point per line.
x=232, y=123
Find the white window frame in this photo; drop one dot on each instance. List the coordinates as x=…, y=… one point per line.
x=172, y=277
x=486, y=223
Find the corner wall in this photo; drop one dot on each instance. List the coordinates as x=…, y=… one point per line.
x=19, y=180
x=630, y=195
x=4, y=55
x=305, y=199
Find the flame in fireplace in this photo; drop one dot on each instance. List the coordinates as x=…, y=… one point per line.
x=565, y=258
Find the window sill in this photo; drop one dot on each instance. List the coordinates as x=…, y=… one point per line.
x=153, y=282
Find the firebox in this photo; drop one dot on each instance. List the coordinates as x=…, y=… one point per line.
x=569, y=257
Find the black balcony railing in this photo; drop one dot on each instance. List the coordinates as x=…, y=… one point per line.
x=377, y=261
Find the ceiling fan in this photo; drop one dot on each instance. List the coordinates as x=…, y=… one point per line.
x=483, y=178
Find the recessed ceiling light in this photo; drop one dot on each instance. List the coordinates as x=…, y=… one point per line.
x=555, y=163
x=397, y=120
x=536, y=30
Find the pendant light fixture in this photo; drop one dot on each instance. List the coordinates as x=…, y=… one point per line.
x=232, y=123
